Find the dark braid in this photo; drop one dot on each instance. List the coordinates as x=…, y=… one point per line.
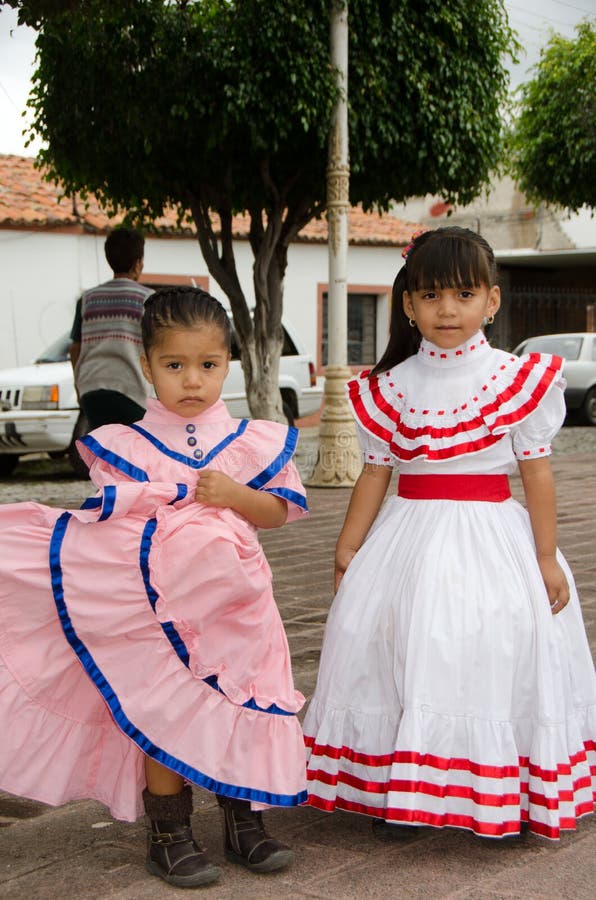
x=184, y=307
x=443, y=258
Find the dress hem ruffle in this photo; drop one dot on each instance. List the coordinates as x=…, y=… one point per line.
x=549, y=787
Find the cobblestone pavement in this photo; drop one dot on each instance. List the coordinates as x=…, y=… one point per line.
x=79, y=852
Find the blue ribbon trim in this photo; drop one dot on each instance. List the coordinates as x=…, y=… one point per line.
x=181, y=494
x=96, y=502
x=118, y=714
x=91, y=503
x=278, y=463
x=212, y=681
x=287, y=494
x=113, y=459
x=168, y=628
x=109, y=502
x=190, y=460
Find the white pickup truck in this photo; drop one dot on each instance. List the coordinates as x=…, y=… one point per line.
x=39, y=410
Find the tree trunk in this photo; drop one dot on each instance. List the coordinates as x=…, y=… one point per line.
x=260, y=337
x=268, y=273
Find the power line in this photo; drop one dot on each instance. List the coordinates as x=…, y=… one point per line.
x=10, y=98
x=540, y=29
x=588, y=12
x=531, y=12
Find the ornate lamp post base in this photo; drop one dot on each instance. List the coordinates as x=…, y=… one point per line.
x=339, y=461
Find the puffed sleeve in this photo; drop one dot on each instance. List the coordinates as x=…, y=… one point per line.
x=532, y=437
x=375, y=450
x=109, y=452
x=371, y=401
x=267, y=450
x=288, y=485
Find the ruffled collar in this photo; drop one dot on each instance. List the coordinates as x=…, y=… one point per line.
x=494, y=400
x=156, y=412
x=431, y=355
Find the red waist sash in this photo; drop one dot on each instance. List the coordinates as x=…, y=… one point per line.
x=490, y=488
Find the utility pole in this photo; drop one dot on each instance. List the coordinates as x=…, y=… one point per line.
x=339, y=461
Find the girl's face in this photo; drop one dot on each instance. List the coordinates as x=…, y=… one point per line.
x=187, y=368
x=449, y=317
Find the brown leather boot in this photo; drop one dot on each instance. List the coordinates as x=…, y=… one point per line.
x=247, y=843
x=172, y=853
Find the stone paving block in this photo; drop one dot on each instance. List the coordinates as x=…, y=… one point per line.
x=446, y=864
x=50, y=853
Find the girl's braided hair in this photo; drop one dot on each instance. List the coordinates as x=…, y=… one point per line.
x=182, y=307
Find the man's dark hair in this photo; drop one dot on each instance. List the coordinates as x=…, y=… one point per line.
x=123, y=247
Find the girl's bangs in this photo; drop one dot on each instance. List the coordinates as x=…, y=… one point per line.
x=448, y=263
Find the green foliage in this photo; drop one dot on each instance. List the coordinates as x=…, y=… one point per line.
x=145, y=100
x=35, y=12
x=226, y=105
x=554, y=137
x=146, y=103
x=427, y=83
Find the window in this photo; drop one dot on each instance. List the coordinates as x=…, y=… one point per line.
x=362, y=329
x=56, y=352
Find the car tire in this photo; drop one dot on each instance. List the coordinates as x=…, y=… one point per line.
x=8, y=463
x=589, y=407
x=80, y=468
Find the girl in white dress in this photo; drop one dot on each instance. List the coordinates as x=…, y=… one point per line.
x=456, y=685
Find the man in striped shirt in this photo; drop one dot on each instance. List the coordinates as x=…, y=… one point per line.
x=106, y=337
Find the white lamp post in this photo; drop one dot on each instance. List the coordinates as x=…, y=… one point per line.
x=339, y=461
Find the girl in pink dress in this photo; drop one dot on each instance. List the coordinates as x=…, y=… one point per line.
x=140, y=644
x=456, y=685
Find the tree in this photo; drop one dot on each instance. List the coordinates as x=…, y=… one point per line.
x=220, y=106
x=554, y=136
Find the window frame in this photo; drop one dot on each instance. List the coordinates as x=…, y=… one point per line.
x=382, y=312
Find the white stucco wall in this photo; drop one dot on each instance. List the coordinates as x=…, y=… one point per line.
x=43, y=274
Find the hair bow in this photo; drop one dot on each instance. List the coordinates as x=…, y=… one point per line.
x=407, y=250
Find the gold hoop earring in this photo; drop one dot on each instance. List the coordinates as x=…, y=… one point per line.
x=412, y=323
x=490, y=320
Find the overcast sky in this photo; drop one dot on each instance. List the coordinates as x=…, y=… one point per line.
x=534, y=20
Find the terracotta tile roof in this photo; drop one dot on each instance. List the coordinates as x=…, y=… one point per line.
x=27, y=201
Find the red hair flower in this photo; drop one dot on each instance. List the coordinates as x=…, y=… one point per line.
x=407, y=250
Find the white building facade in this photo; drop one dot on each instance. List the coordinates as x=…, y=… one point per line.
x=44, y=271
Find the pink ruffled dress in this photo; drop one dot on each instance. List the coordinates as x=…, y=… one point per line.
x=448, y=694
x=145, y=623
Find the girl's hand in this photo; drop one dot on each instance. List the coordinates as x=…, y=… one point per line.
x=260, y=508
x=555, y=583
x=216, y=489
x=343, y=558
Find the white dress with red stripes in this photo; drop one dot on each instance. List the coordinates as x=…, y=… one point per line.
x=448, y=694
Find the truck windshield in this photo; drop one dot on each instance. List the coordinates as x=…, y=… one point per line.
x=56, y=352
x=567, y=347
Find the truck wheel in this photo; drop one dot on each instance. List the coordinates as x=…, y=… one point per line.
x=589, y=407
x=81, y=428
x=8, y=463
